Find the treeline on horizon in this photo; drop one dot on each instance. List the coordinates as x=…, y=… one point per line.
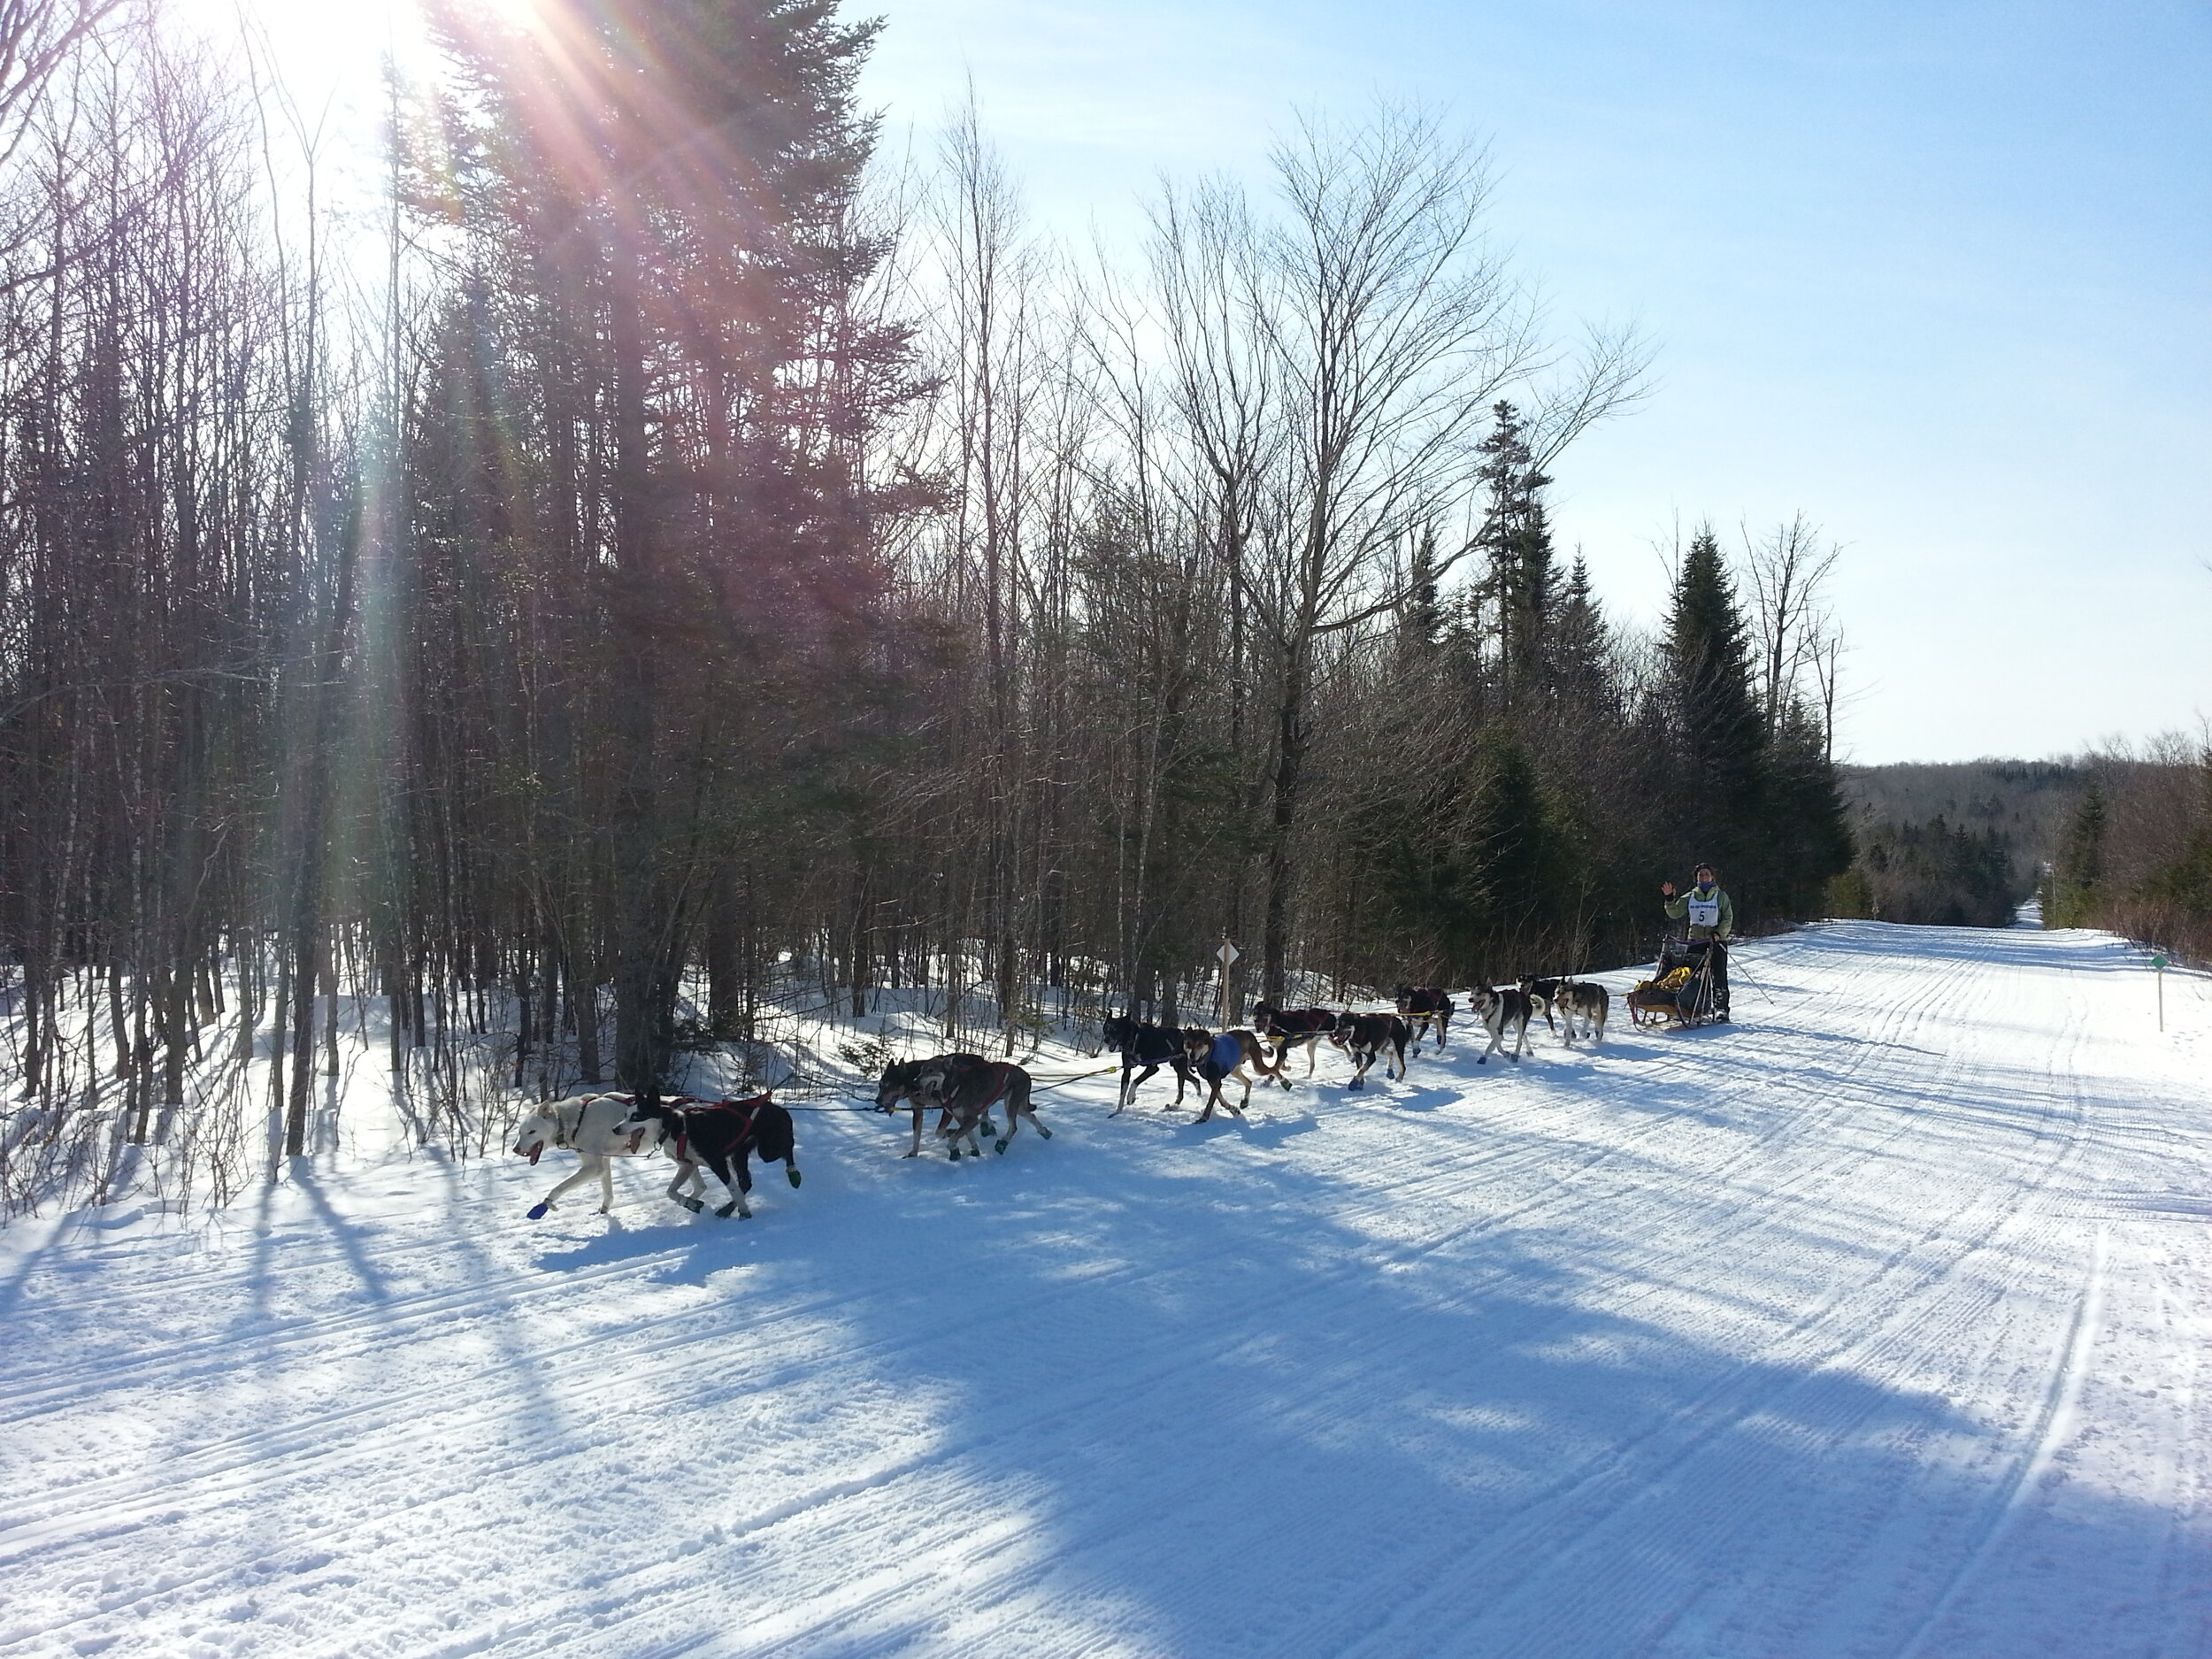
x=2118, y=839
x=662, y=557
x=1962, y=844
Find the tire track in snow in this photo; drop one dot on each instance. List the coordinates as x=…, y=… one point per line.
x=1527, y=1557
x=2053, y=1427
x=1722, y=1403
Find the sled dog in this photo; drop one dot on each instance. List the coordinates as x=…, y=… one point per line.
x=1364, y=1036
x=1585, y=1005
x=1217, y=1059
x=723, y=1134
x=596, y=1128
x=1502, y=1011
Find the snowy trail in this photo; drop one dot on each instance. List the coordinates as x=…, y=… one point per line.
x=1873, y=1325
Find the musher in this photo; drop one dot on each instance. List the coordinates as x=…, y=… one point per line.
x=1712, y=919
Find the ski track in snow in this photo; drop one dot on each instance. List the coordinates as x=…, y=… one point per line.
x=1873, y=1325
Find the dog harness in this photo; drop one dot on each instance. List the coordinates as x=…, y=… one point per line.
x=560, y=1131
x=685, y=1105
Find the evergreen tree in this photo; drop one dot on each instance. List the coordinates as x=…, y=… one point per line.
x=1420, y=615
x=659, y=194
x=1517, y=533
x=1584, y=676
x=2077, y=873
x=1716, y=731
x=1513, y=864
x=1803, y=831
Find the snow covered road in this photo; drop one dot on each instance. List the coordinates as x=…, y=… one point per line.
x=1876, y=1325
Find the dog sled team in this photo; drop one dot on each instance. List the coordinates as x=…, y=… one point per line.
x=1689, y=988
x=1200, y=1057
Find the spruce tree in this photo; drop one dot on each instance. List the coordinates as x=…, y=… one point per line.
x=1420, y=616
x=660, y=194
x=2077, y=873
x=1521, y=581
x=1803, y=832
x=1513, y=863
x=1584, y=679
x=1711, y=714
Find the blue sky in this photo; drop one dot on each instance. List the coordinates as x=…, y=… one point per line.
x=1940, y=276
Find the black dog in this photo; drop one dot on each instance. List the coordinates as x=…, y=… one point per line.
x=1366, y=1035
x=722, y=1135
x=1284, y=1027
x=1149, y=1046
x=1424, y=1005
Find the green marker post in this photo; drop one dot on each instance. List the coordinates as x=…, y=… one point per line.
x=2158, y=966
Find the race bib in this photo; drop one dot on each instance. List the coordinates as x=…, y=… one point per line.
x=1705, y=912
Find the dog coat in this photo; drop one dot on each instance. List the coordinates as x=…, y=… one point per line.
x=1225, y=1054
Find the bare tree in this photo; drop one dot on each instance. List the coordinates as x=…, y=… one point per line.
x=37, y=39
x=1391, y=329
x=1789, y=568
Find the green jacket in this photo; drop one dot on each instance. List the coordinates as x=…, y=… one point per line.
x=1679, y=907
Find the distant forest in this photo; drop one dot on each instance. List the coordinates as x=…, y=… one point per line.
x=2120, y=839
x=663, y=558
x=1957, y=845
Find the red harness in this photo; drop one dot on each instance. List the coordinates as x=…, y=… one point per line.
x=686, y=1105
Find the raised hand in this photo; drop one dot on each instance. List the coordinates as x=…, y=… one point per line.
x=1666, y=889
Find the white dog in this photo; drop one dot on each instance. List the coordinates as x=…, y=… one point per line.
x=593, y=1127
x=1502, y=1011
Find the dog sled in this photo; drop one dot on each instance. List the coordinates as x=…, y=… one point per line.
x=1683, y=991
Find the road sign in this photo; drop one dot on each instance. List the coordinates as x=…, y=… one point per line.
x=1228, y=952
x=2158, y=962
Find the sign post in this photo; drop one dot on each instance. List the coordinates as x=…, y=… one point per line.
x=1229, y=953
x=2158, y=967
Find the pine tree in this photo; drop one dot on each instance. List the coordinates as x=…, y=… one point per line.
x=2077, y=873
x=660, y=193
x=1521, y=581
x=1584, y=678
x=1717, y=731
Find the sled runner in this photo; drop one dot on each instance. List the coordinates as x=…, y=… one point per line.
x=1680, y=993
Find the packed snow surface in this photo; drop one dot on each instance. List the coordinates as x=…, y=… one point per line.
x=1873, y=1325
